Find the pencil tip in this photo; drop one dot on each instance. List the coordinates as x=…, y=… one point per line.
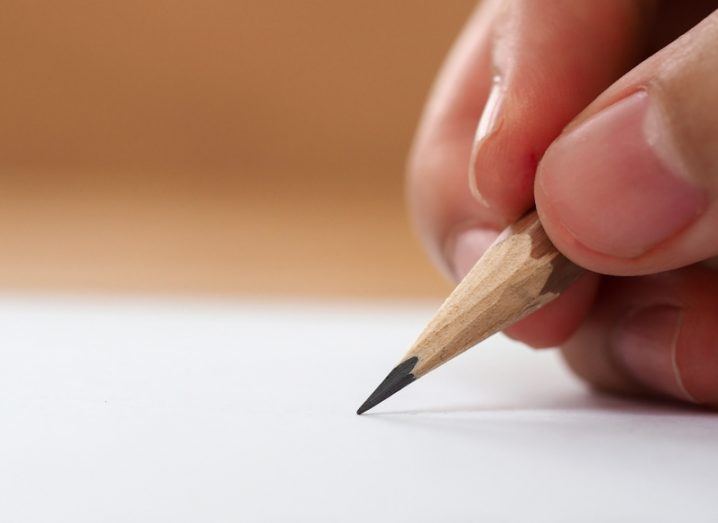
x=397, y=379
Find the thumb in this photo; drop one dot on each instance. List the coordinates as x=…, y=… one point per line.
x=631, y=186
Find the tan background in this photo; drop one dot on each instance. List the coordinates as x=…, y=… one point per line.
x=214, y=146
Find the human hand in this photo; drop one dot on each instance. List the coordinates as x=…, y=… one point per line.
x=604, y=115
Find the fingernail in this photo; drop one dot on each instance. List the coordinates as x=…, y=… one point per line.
x=488, y=124
x=617, y=182
x=489, y=117
x=467, y=247
x=644, y=345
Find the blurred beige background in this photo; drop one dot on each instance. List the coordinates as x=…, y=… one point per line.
x=214, y=146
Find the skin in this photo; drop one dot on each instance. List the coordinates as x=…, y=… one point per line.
x=604, y=116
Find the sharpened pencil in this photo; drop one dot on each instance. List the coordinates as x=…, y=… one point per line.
x=521, y=272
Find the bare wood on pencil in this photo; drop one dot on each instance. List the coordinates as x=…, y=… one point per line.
x=521, y=272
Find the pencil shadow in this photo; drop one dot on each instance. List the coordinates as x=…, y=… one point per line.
x=577, y=422
x=589, y=401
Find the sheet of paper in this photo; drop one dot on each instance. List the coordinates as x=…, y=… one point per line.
x=139, y=410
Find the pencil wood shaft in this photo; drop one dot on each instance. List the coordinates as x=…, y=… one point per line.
x=518, y=274
x=521, y=272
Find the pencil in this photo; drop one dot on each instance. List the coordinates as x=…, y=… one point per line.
x=521, y=272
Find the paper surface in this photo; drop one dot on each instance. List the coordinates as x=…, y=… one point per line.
x=156, y=411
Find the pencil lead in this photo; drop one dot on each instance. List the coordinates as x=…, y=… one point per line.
x=397, y=379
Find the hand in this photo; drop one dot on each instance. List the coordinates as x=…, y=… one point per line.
x=605, y=116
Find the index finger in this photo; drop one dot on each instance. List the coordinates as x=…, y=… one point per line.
x=546, y=58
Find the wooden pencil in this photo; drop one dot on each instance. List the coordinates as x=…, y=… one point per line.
x=521, y=272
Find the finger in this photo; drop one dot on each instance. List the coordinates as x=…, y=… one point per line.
x=456, y=228
x=546, y=66
x=631, y=186
x=545, y=72
x=653, y=334
x=439, y=199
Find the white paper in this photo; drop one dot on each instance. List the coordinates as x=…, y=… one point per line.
x=138, y=410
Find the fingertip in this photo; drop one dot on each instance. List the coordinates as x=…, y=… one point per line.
x=645, y=344
x=696, y=355
x=668, y=345
x=544, y=75
x=653, y=336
